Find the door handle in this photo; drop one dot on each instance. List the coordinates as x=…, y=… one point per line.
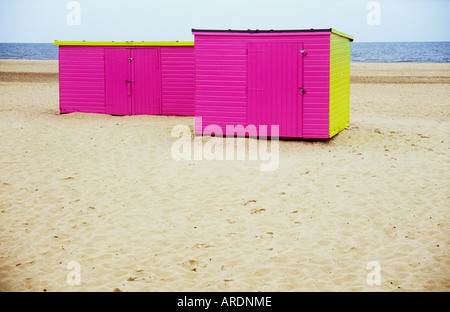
x=303, y=90
x=128, y=86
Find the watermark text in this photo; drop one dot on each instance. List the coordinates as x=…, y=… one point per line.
x=374, y=16
x=74, y=16
x=231, y=146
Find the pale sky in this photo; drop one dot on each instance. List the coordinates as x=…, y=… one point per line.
x=170, y=20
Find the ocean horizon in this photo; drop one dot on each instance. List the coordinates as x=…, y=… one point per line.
x=376, y=52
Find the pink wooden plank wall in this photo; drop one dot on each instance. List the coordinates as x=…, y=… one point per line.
x=177, y=80
x=82, y=79
x=221, y=79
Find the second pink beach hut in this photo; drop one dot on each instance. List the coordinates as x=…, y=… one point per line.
x=126, y=78
x=296, y=79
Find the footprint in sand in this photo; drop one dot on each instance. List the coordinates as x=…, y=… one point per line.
x=257, y=211
x=267, y=235
x=202, y=245
x=376, y=130
x=192, y=265
x=250, y=201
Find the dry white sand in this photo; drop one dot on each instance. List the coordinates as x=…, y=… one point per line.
x=105, y=192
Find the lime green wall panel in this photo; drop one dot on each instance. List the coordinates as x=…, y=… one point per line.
x=339, y=83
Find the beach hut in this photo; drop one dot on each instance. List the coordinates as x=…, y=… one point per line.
x=126, y=78
x=296, y=79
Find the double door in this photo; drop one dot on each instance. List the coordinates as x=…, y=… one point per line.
x=132, y=81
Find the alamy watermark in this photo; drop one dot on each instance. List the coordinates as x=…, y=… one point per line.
x=374, y=16
x=74, y=276
x=73, y=18
x=374, y=276
x=232, y=146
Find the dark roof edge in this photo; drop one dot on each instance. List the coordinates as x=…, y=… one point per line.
x=253, y=31
x=261, y=31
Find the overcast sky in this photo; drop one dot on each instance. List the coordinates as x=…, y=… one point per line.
x=169, y=20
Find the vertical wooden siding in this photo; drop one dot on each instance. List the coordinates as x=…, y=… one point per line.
x=339, y=84
x=117, y=91
x=274, y=78
x=146, y=84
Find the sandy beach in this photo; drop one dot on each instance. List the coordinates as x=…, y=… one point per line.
x=104, y=192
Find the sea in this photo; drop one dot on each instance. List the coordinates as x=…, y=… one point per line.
x=373, y=52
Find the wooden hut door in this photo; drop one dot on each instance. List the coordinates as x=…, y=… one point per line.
x=132, y=81
x=274, y=82
x=118, y=81
x=146, y=82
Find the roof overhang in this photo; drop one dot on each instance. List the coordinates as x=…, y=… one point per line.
x=125, y=43
x=334, y=31
x=269, y=31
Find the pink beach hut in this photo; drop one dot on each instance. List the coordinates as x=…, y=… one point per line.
x=296, y=79
x=126, y=78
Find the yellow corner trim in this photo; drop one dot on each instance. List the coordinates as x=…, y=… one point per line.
x=124, y=43
x=334, y=31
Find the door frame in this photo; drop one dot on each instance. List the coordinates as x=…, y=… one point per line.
x=299, y=77
x=131, y=87
x=110, y=91
x=157, y=76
